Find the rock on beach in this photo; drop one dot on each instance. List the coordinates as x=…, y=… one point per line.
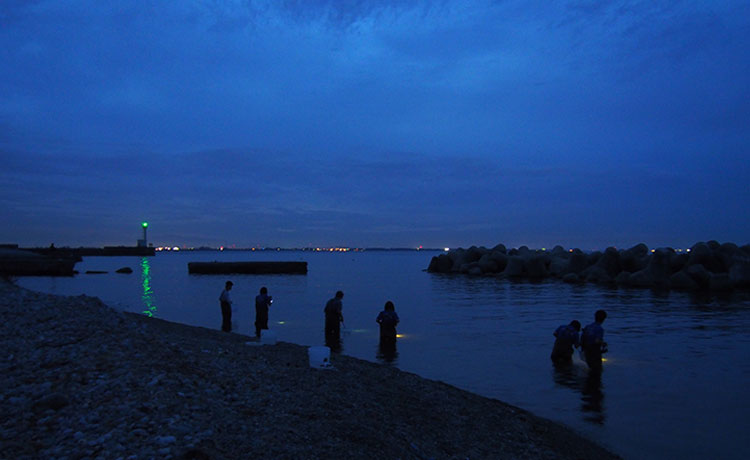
x=82, y=380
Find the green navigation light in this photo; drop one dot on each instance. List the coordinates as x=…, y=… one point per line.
x=144, y=224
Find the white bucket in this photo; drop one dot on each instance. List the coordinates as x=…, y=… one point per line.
x=267, y=337
x=320, y=357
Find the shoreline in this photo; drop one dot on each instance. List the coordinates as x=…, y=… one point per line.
x=82, y=380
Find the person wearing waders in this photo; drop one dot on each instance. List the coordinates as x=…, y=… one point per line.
x=334, y=316
x=592, y=341
x=566, y=337
x=262, y=302
x=226, y=307
x=388, y=319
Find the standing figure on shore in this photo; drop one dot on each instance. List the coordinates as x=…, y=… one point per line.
x=226, y=307
x=334, y=317
x=592, y=341
x=262, y=302
x=566, y=337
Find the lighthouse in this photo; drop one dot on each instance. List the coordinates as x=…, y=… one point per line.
x=144, y=242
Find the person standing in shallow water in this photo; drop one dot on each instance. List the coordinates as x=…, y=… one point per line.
x=566, y=337
x=334, y=316
x=226, y=307
x=592, y=341
x=388, y=319
x=262, y=302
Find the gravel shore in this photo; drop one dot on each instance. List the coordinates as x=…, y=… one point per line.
x=81, y=380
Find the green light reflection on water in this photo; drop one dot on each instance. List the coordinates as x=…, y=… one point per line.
x=147, y=296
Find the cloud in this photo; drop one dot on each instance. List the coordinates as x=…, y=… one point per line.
x=371, y=120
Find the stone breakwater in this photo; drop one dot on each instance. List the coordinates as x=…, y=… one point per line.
x=80, y=380
x=705, y=266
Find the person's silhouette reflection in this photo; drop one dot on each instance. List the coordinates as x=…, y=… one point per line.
x=586, y=381
x=593, y=397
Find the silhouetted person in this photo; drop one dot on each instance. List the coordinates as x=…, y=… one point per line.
x=592, y=341
x=388, y=319
x=566, y=338
x=334, y=316
x=262, y=302
x=226, y=307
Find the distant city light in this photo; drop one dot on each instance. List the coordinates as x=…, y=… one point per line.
x=447, y=249
x=275, y=248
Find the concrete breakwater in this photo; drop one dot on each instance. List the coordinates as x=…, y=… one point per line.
x=254, y=268
x=705, y=266
x=15, y=262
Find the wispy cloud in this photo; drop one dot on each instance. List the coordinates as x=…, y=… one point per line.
x=371, y=118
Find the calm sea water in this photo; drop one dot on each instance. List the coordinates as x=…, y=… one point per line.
x=674, y=384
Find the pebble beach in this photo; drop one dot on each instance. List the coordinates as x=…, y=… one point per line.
x=81, y=380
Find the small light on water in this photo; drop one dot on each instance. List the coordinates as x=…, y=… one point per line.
x=282, y=322
x=400, y=336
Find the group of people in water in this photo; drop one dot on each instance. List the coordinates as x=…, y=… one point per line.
x=591, y=341
x=567, y=337
x=263, y=302
x=334, y=317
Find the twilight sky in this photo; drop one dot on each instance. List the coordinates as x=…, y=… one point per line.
x=373, y=123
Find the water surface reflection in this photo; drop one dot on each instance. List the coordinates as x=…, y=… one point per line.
x=588, y=383
x=147, y=294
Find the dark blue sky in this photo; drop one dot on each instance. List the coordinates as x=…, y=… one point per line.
x=318, y=123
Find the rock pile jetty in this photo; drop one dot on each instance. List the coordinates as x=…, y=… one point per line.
x=15, y=262
x=80, y=380
x=705, y=266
